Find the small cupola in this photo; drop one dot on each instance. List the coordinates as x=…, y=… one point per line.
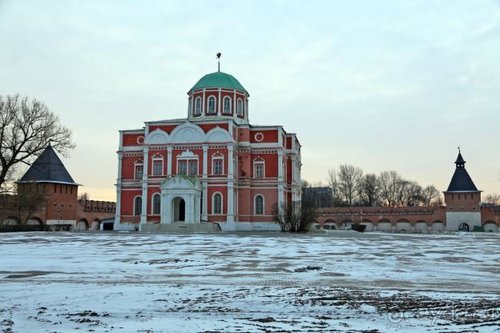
x=218, y=95
x=461, y=180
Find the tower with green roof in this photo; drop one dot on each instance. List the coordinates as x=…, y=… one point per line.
x=218, y=95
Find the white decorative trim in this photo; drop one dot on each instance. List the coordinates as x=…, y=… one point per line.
x=217, y=156
x=221, y=204
x=259, y=161
x=136, y=164
x=187, y=133
x=133, y=205
x=255, y=204
x=211, y=97
x=195, y=112
x=226, y=98
x=218, y=134
x=157, y=137
x=187, y=154
x=157, y=157
x=153, y=203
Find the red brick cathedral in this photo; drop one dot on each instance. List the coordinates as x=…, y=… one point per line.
x=211, y=167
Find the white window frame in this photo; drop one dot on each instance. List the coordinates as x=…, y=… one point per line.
x=157, y=158
x=211, y=98
x=221, y=203
x=217, y=157
x=228, y=111
x=255, y=204
x=239, y=107
x=153, y=203
x=134, y=208
x=136, y=165
x=197, y=106
x=188, y=168
x=260, y=163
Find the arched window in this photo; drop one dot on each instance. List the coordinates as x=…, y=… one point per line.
x=138, y=205
x=239, y=107
x=197, y=106
x=211, y=104
x=156, y=204
x=259, y=204
x=217, y=204
x=226, y=105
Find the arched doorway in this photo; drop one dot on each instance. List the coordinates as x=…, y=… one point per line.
x=179, y=209
x=34, y=221
x=11, y=221
x=463, y=227
x=95, y=225
x=81, y=225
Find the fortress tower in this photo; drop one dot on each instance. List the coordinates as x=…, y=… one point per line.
x=462, y=200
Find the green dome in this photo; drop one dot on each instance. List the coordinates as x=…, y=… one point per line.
x=218, y=80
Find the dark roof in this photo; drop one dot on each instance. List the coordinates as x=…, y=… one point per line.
x=47, y=168
x=461, y=180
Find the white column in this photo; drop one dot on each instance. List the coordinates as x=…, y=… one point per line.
x=145, y=198
x=233, y=104
x=169, y=161
x=205, y=161
x=203, y=111
x=204, y=184
x=191, y=105
x=164, y=208
x=218, y=104
x=230, y=185
x=168, y=209
x=280, y=165
x=119, y=189
x=230, y=201
x=230, y=163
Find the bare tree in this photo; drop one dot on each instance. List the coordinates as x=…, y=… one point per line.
x=431, y=196
x=334, y=186
x=492, y=199
x=28, y=200
x=389, y=182
x=295, y=216
x=349, y=180
x=410, y=193
x=26, y=129
x=369, y=190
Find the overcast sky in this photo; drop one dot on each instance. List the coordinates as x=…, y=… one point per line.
x=383, y=85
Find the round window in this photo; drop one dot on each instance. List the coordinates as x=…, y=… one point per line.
x=140, y=140
x=259, y=137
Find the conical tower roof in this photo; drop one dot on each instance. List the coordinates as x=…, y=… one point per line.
x=47, y=168
x=461, y=181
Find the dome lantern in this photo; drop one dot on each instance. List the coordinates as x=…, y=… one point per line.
x=218, y=95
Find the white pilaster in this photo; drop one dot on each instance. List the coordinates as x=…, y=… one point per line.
x=205, y=161
x=230, y=163
x=280, y=165
x=204, y=212
x=169, y=161
x=144, y=212
x=219, y=102
x=119, y=189
x=204, y=112
x=230, y=201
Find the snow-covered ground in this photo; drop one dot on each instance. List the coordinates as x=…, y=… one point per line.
x=129, y=282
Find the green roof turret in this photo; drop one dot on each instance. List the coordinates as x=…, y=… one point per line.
x=218, y=80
